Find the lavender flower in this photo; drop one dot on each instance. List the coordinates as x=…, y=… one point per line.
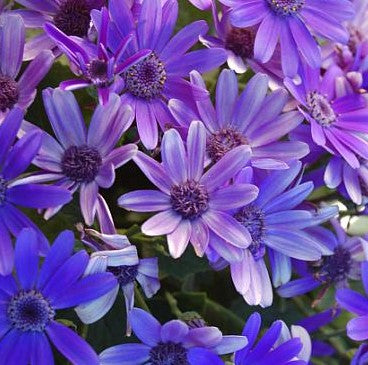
x=191, y=203
x=30, y=302
x=14, y=190
x=288, y=22
x=72, y=17
x=95, y=63
x=276, y=222
x=335, y=269
x=278, y=345
x=356, y=303
x=82, y=160
x=14, y=90
x=160, y=77
x=172, y=343
x=254, y=119
x=337, y=120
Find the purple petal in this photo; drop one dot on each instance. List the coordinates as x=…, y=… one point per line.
x=145, y=201
x=233, y=196
x=174, y=331
x=298, y=287
x=161, y=223
x=6, y=251
x=249, y=14
x=352, y=301
x=124, y=354
x=149, y=23
x=196, y=145
x=145, y=326
x=199, y=237
x=179, y=238
x=202, y=356
x=146, y=123
x=203, y=337
x=357, y=328
x=88, y=201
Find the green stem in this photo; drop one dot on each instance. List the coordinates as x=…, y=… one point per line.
x=173, y=303
x=139, y=300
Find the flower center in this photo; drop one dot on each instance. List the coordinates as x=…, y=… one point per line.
x=124, y=274
x=190, y=199
x=334, y=268
x=286, y=7
x=73, y=17
x=3, y=188
x=320, y=109
x=241, y=41
x=81, y=163
x=29, y=311
x=168, y=353
x=97, y=72
x=223, y=141
x=252, y=218
x=9, y=93
x=147, y=78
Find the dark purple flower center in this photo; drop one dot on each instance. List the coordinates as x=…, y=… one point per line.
x=241, y=41
x=223, y=141
x=3, y=188
x=81, y=163
x=253, y=219
x=320, y=109
x=97, y=72
x=73, y=17
x=168, y=353
x=29, y=311
x=190, y=199
x=124, y=274
x=286, y=7
x=334, y=268
x=9, y=93
x=147, y=78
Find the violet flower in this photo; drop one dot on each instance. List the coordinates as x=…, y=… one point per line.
x=31, y=298
x=18, y=90
x=149, y=84
x=171, y=343
x=290, y=22
x=80, y=159
x=71, y=16
x=253, y=118
x=95, y=63
x=192, y=203
x=17, y=191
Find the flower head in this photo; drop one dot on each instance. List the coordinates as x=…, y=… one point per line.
x=290, y=23
x=30, y=301
x=16, y=190
x=174, y=343
x=191, y=202
x=80, y=159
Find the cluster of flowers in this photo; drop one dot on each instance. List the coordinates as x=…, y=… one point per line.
x=232, y=177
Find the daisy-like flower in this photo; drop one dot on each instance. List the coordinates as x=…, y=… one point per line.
x=276, y=223
x=290, y=23
x=114, y=253
x=356, y=303
x=331, y=270
x=253, y=118
x=191, y=202
x=95, y=63
x=149, y=84
x=278, y=344
x=80, y=159
x=17, y=191
x=72, y=17
x=171, y=343
x=337, y=119
x=15, y=90
x=30, y=301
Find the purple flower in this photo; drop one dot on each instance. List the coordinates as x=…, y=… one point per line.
x=150, y=83
x=95, y=63
x=289, y=22
x=80, y=159
x=357, y=328
x=172, y=343
x=191, y=202
x=71, y=16
x=114, y=253
x=252, y=118
x=337, y=119
x=30, y=302
x=335, y=269
x=361, y=355
x=14, y=90
x=276, y=222
x=278, y=345
x=14, y=190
